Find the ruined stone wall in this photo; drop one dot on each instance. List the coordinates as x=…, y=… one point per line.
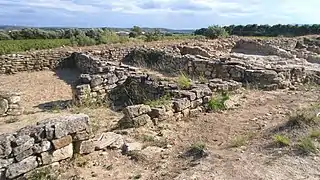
x=50, y=59
x=47, y=142
x=10, y=103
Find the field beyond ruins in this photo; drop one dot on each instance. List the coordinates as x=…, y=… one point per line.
x=225, y=109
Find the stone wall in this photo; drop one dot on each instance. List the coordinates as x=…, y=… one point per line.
x=51, y=59
x=47, y=142
x=10, y=103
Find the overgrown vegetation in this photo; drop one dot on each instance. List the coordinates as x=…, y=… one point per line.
x=196, y=150
x=11, y=46
x=307, y=146
x=241, y=140
x=183, y=81
x=304, y=117
x=218, y=102
x=212, y=32
x=164, y=100
x=267, y=30
x=281, y=140
x=42, y=174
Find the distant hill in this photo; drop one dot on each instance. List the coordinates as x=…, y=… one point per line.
x=146, y=29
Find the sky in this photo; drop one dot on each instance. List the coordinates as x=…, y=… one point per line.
x=175, y=14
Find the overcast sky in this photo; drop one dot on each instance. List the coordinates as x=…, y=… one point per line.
x=178, y=14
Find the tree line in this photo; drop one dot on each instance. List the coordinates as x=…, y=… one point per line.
x=262, y=30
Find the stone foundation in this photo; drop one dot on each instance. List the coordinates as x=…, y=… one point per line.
x=10, y=104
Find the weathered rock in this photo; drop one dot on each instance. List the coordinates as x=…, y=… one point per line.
x=85, y=78
x=42, y=147
x=66, y=125
x=23, y=143
x=5, y=145
x=128, y=147
x=181, y=104
x=62, y=142
x=23, y=155
x=96, y=81
x=186, y=112
x=157, y=112
x=109, y=140
x=201, y=91
x=151, y=151
x=136, y=110
x=14, y=99
x=36, y=132
x=63, y=153
x=5, y=162
x=85, y=147
x=196, y=103
x=4, y=106
x=195, y=112
x=22, y=167
x=81, y=136
x=46, y=158
x=141, y=120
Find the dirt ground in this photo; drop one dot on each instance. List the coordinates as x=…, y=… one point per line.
x=257, y=112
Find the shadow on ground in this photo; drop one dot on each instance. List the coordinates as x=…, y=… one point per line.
x=68, y=75
x=54, y=105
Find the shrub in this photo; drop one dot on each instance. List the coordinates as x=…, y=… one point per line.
x=218, y=102
x=281, y=140
x=214, y=32
x=183, y=81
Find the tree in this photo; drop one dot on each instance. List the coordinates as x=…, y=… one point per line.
x=214, y=32
x=135, y=31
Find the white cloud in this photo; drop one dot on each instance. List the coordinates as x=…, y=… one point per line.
x=170, y=12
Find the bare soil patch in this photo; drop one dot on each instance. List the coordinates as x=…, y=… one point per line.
x=234, y=142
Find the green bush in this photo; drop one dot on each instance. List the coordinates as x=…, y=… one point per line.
x=214, y=32
x=218, y=102
x=183, y=81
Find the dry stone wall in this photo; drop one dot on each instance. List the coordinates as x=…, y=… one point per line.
x=10, y=103
x=47, y=142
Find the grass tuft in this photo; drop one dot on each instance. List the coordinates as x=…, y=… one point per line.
x=218, y=102
x=183, y=81
x=281, y=140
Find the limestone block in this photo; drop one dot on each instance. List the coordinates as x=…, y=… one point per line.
x=85, y=147
x=136, y=110
x=181, y=104
x=62, y=142
x=5, y=145
x=63, y=153
x=42, y=147
x=21, y=167
x=109, y=140
x=141, y=120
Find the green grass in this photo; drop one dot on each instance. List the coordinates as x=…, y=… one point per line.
x=281, y=140
x=315, y=134
x=183, y=81
x=13, y=46
x=307, y=146
x=164, y=100
x=218, y=102
x=42, y=174
x=239, y=141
